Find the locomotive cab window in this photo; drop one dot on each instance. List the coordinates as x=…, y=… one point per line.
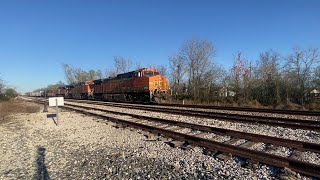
x=137, y=74
x=150, y=73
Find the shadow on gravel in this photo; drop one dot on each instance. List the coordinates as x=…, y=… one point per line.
x=42, y=172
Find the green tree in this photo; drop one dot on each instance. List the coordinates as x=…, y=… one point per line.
x=10, y=93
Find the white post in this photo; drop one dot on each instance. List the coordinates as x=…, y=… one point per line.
x=56, y=101
x=57, y=110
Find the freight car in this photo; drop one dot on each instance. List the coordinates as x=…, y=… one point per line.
x=37, y=94
x=50, y=94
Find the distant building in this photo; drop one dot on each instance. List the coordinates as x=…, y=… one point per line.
x=315, y=92
x=224, y=92
x=315, y=95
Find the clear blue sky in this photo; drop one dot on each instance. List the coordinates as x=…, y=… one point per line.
x=36, y=37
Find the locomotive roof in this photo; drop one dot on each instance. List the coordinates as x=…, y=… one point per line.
x=97, y=81
x=126, y=75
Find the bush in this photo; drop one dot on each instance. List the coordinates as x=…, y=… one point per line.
x=8, y=94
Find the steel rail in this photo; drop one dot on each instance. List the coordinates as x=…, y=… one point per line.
x=255, y=156
x=273, y=121
x=298, y=145
x=247, y=109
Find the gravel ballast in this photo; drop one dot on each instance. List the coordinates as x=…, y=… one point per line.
x=33, y=146
x=281, y=132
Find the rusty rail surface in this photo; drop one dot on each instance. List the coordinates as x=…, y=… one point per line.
x=294, y=144
x=273, y=121
x=245, y=109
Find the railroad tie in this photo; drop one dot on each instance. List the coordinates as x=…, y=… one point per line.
x=175, y=143
x=296, y=154
x=247, y=144
x=232, y=141
x=164, y=126
x=226, y=156
x=252, y=164
x=150, y=136
x=174, y=128
x=201, y=135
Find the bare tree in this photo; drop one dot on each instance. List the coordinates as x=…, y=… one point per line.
x=316, y=78
x=178, y=70
x=54, y=87
x=138, y=65
x=68, y=71
x=162, y=69
x=110, y=73
x=75, y=75
x=268, y=78
x=92, y=74
x=197, y=54
x=299, y=65
x=241, y=77
x=99, y=74
x=212, y=79
x=121, y=64
x=80, y=75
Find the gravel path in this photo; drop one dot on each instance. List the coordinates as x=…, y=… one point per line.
x=32, y=146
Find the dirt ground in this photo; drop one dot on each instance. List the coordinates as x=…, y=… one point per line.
x=17, y=106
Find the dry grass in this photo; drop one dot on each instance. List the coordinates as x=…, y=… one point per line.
x=17, y=106
x=313, y=106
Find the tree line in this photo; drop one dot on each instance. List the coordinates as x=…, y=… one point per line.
x=272, y=79
x=121, y=64
x=194, y=74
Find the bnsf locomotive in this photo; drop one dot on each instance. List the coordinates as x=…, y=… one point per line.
x=143, y=85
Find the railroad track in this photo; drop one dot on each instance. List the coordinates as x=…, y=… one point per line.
x=245, y=109
x=242, y=109
x=164, y=127
x=273, y=121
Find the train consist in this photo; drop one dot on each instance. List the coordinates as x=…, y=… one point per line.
x=143, y=85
